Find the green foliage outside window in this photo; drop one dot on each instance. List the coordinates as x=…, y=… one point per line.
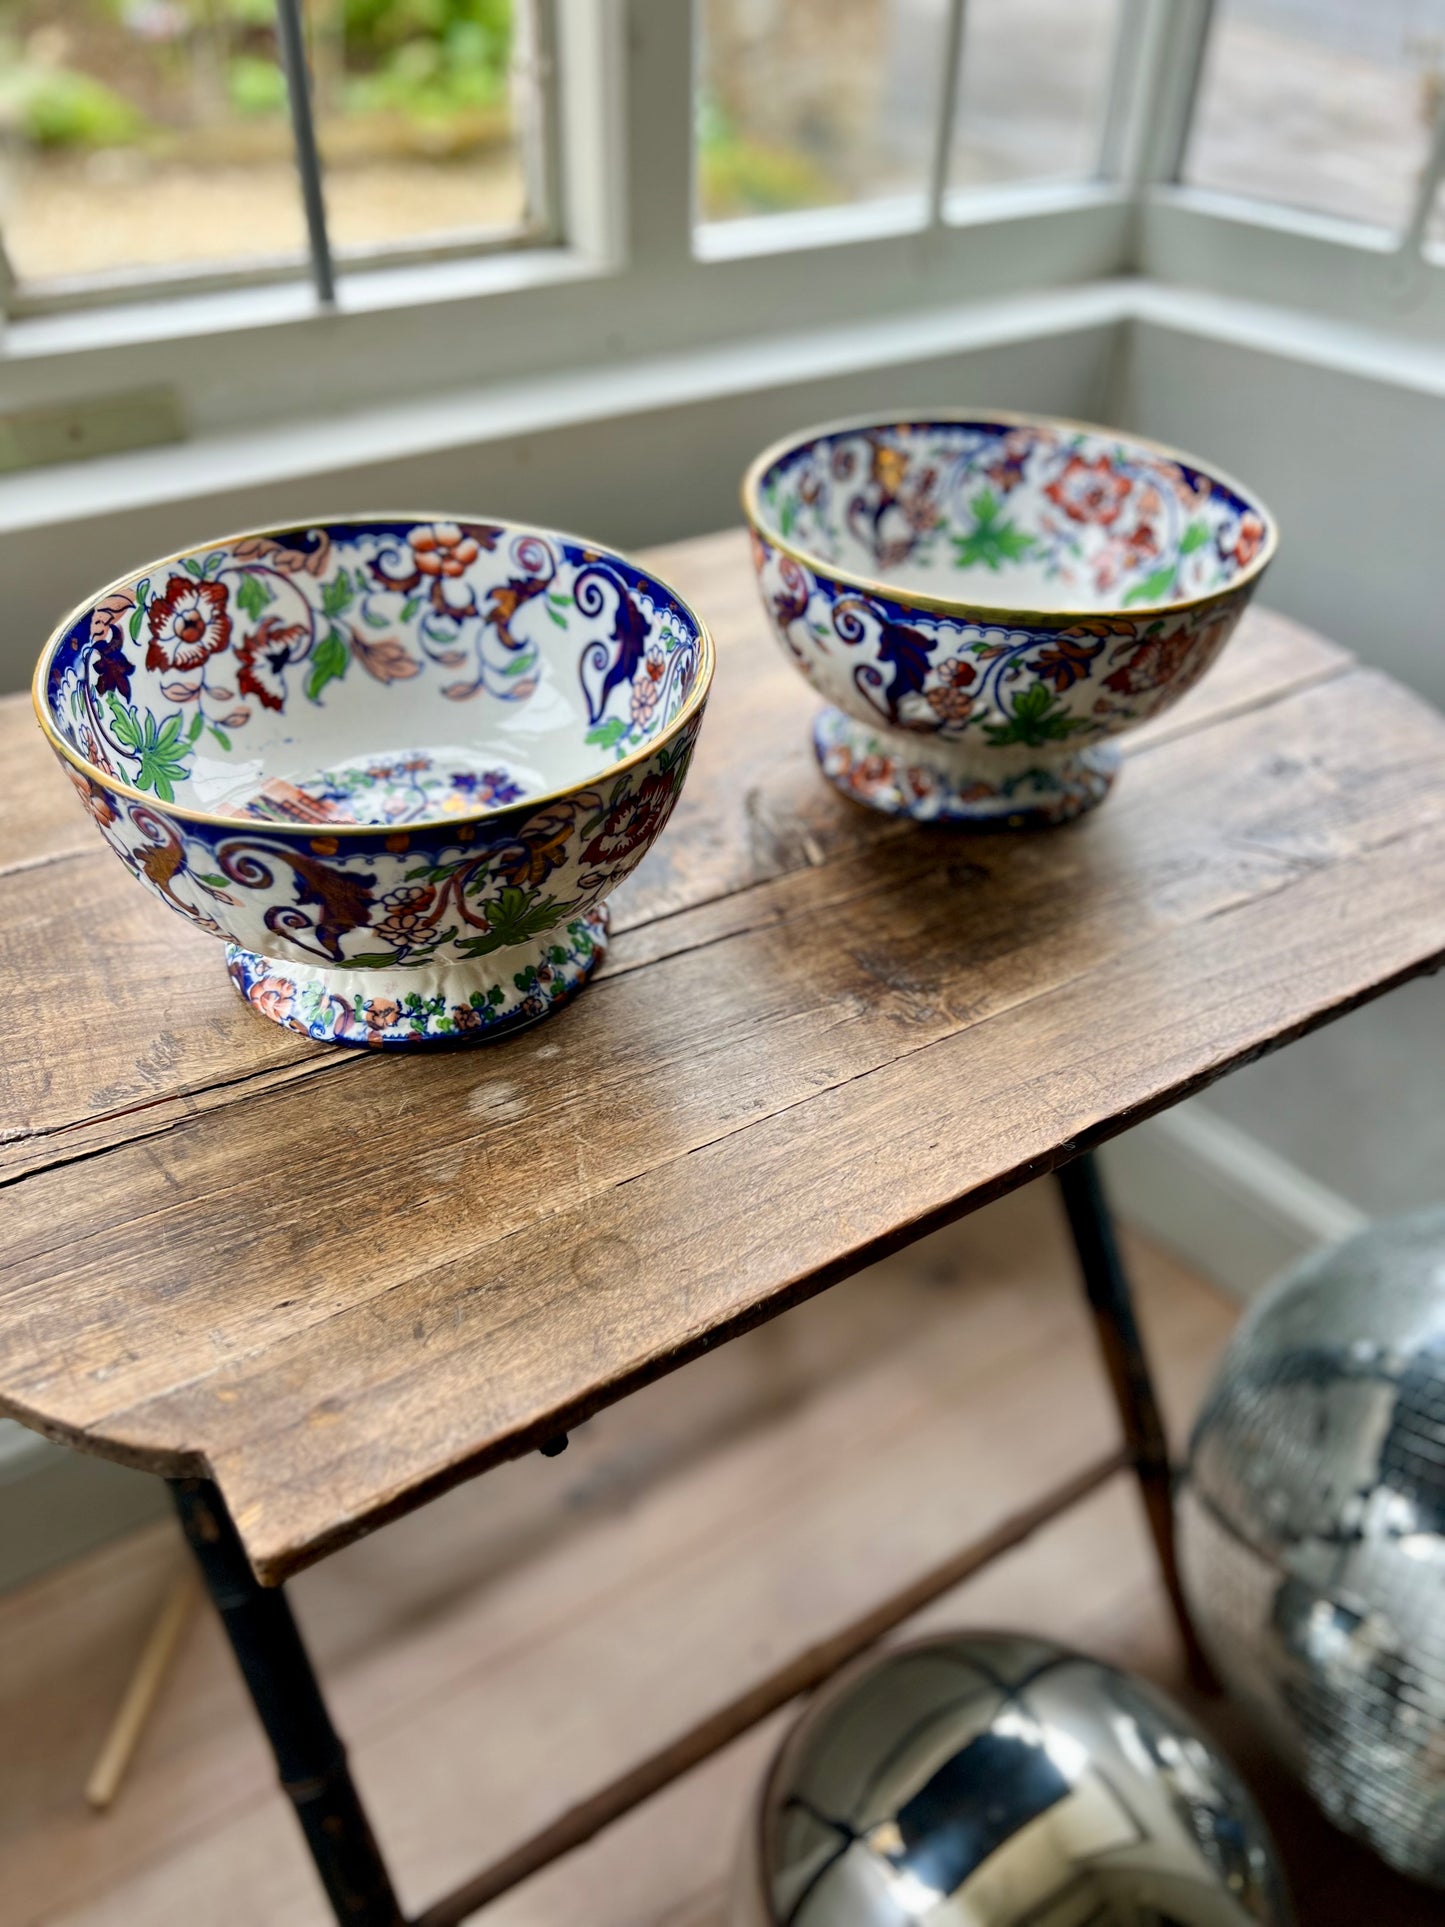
x=428, y=62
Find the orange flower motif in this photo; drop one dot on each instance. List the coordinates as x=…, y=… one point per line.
x=1248, y=540
x=1090, y=491
x=442, y=549
x=273, y=996
x=890, y=466
x=647, y=686
x=187, y=624
x=93, y=797
x=950, y=700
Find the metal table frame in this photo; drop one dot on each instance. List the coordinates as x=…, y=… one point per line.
x=310, y=1757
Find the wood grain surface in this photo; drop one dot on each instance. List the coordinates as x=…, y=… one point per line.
x=341, y=1283
x=529, y=1651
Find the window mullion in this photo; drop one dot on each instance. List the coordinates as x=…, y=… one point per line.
x=1173, y=41
x=291, y=37
x=1124, y=100
x=534, y=79
x=661, y=91
x=1412, y=240
x=947, y=112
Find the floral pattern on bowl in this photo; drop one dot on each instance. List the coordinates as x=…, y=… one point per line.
x=984, y=599
x=242, y=723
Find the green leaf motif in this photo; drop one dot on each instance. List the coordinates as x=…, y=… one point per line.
x=607, y=735
x=1195, y=537
x=198, y=723
x=215, y=882
x=220, y=735
x=516, y=916
x=338, y=594
x=990, y=542
x=1152, y=587
x=137, y=616
x=254, y=595
x=329, y=663
x=410, y=607
x=1037, y=719
x=162, y=757
x=124, y=722
x=561, y=621
x=192, y=567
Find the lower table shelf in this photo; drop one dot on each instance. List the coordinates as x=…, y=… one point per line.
x=537, y=1640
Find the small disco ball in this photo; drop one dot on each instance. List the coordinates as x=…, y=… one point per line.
x=1312, y=1532
x=998, y=1780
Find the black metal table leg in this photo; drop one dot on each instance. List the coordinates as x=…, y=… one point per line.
x=1106, y=1287
x=310, y=1758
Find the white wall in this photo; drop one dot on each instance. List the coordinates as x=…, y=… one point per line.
x=1348, y=448
x=628, y=454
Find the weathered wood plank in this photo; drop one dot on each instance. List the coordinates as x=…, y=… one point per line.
x=511, y=1240
x=479, y=1357
x=784, y=992
x=529, y=1643
x=344, y=1283
x=159, y=1033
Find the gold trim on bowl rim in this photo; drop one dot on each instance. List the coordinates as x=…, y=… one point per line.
x=982, y=613
x=694, y=700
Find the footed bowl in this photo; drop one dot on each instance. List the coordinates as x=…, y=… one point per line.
x=984, y=600
x=396, y=763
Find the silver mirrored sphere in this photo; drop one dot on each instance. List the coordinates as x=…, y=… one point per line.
x=1312, y=1532
x=996, y=1780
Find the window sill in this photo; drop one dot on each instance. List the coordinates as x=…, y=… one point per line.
x=293, y=302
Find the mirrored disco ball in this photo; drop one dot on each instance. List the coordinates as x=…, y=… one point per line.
x=993, y=1780
x=1312, y=1532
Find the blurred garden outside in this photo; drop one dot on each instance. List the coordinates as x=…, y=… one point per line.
x=153, y=134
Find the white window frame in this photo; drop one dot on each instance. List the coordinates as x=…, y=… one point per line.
x=634, y=277
x=534, y=61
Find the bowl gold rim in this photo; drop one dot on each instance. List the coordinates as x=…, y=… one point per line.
x=696, y=696
x=992, y=614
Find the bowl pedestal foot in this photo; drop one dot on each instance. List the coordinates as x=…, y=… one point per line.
x=934, y=781
x=471, y=1002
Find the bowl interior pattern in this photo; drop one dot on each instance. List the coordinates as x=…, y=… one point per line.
x=1036, y=516
x=385, y=671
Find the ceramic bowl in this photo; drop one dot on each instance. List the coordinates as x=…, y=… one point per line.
x=984, y=600
x=397, y=763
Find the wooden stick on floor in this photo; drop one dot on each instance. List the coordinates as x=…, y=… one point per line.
x=143, y=1691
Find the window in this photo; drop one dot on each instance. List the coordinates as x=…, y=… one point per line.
x=1033, y=90
x=813, y=103
x=1321, y=104
x=147, y=140
x=574, y=183
x=816, y=103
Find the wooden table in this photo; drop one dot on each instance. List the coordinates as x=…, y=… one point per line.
x=316, y=1288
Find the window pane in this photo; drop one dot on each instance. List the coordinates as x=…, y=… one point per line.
x=1322, y=104
x=809, y=103
x=142, y=134
x=1032, y=90
x=154, y=134
x=420, y=124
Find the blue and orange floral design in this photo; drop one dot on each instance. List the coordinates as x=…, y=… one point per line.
x=919, y=574
x=208, y=713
